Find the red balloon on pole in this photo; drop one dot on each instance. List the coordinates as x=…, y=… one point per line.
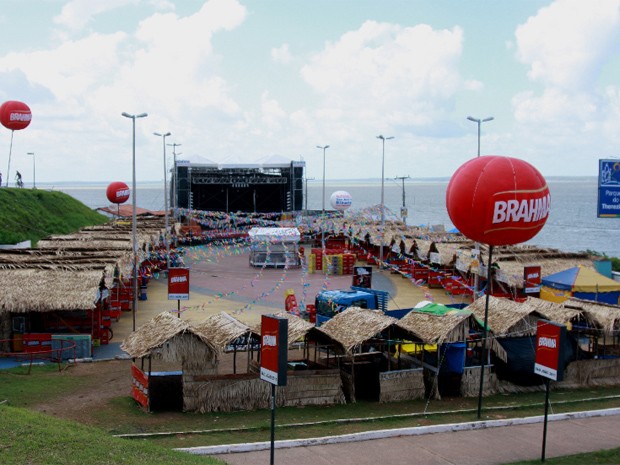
x=498, y=200
x=117, y=192
x=15, y=115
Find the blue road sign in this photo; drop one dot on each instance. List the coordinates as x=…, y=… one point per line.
x=609, y=189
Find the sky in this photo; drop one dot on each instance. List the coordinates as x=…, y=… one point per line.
x=239, y=81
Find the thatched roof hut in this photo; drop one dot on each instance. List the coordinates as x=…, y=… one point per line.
x=508, y=318
x=512, y=259
x=355, y=326
x=606, y=317
x=35, y=290
x=221, y=330
x=442, y=328
x=558, y=312
x=298, y=328
x=171, y=339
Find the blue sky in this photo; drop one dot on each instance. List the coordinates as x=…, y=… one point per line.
x=239, y=81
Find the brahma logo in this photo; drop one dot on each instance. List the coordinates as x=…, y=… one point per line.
x=178, y=279
x=19, y=116
x=527, y=211
x=269, y=341
x=122, y=193
x=547, y=342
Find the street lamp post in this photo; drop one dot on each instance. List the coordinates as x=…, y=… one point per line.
x=163, y=136
x=325, y=147
x=383, y=139
x=34, y=170
x=174, y=202
x=479, y=122
x=134, y=240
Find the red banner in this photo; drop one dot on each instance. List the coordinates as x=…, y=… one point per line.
x=274, y=349
x=549, y=338
x=532, y=278
x=178, y=284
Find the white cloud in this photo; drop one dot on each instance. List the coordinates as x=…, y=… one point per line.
x=388, y=73
x=566, y=44
x=76, y=14
x=281, y=54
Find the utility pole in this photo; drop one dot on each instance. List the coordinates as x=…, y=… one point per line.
x=175, y=186
x=403, y=209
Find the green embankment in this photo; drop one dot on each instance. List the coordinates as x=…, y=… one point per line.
x=32, y=214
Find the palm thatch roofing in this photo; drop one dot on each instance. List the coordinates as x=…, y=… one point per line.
x=298, y=328
x=221, y=330
x=508, y=318
x=512, y=259
x=164, y=331
x=52, y=259
x=355, y=326
x=607, y=317
x=437, y=329
x=453, y=326
x=558, y=312
x=34, y=290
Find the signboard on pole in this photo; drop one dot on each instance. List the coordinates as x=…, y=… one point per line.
x=178, y=284
x=532, y=278
x=608, y=205
x=549, y=350
x=274, y=349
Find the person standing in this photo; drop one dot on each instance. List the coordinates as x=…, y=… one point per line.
x=18, y=178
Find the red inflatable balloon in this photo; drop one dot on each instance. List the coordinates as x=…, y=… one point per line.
x=117, y=192
x=498, y=200
x=15, y=115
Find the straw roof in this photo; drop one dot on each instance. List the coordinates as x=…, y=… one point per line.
x=558, y=312
x=437, y=329
x=512, y=259
x=355, y=326
x=32, y=290
x=297, y=327
x=160, y=333
x=453, y=326
x=607, y=317
x=221, y=329
x=507, y=317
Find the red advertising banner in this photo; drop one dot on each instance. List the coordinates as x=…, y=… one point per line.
x=178, y=284
x=532, y=277
x=549, y=339
x=274, y=349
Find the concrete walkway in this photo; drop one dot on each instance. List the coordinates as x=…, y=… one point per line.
x=476, y=443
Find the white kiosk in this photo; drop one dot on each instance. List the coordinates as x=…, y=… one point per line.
x=274, y=247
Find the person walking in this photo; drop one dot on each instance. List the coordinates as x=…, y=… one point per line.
x=18, y=177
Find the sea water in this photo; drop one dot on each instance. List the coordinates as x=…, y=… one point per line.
x=572, y=225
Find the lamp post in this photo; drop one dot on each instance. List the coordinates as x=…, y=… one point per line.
x=163, y=136
x=383, y=139
x=134, y=240
x=174, y=202
x=479, y=122
x=325, y=147
x=34, y=170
